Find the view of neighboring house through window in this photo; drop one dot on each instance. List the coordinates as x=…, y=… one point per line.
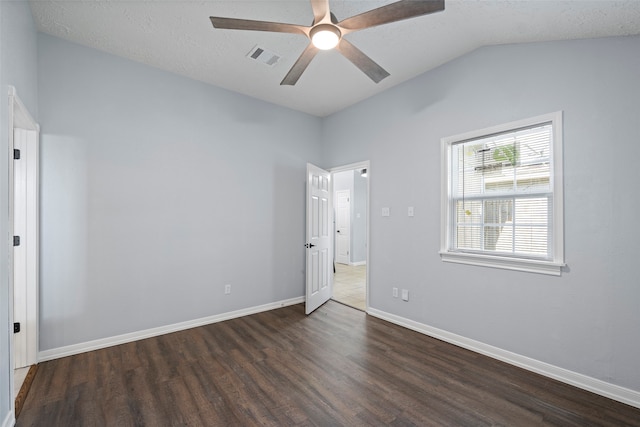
x=502, y=187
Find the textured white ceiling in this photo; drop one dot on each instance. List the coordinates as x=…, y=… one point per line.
x=177, y=35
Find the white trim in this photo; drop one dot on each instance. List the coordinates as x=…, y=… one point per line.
x=357, y=263
x=10, y=420
x=553, y=267
x=519, y=264
x=70, y=350
x=558, y=187
x=612, y=391
x=351, y=166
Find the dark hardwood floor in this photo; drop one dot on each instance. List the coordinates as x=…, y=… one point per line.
x=336, y=367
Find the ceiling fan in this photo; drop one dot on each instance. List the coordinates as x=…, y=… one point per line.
x=327, y=33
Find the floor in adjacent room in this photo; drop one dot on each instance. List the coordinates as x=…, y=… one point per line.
x=18, y=378
x=350, y=285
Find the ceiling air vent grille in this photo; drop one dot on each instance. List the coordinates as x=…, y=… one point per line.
x=263, y=55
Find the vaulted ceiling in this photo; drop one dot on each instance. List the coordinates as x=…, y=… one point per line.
x=177, y=36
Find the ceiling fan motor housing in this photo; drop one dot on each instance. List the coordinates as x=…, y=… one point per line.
x=325, y=36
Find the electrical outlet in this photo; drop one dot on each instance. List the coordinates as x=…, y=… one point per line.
x=395, y=292
x=227, y=289
x=405, y=295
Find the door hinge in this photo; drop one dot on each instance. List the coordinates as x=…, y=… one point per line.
x=16, y=154
x=16, y=240
x=16, y=327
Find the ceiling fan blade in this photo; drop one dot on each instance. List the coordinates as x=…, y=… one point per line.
x=362, y=61
x=393, y=12
x=320, y=10
x=246, y=24
x=301, y=64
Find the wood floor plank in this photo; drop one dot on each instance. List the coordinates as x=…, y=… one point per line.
x=337, y=366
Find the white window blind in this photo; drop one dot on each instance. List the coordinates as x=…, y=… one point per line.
x=501, y=196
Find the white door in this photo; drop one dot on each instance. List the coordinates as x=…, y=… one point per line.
x=20, y=251
x=343, y=226
x=23, y=146
x=318, y=246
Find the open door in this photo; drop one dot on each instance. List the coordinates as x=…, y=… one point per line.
x=319, y=256
x=23, y=199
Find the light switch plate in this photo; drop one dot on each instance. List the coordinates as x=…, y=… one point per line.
x=410, y=211
x=405, y=295
x=385, y=212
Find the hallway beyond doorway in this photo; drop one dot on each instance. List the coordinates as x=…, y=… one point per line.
x=349, y=285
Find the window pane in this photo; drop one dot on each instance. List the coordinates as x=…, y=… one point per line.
x=513, y=161
x=532, y=211
x=469, y=237
x=500, y=180
x=469, y=157
x=469, y=212
x=531, y=240
x=497, y=213
x=504, y=242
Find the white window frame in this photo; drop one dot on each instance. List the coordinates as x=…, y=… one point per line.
x=551, y=267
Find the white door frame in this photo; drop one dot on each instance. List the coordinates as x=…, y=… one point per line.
x=360, y=165
x=28, y=142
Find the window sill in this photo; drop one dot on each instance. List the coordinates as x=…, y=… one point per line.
x=531, y=266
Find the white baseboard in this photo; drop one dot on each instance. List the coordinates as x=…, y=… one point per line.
x=9, y=420
x=612, y=391
x=357, y=263
x=70, y=350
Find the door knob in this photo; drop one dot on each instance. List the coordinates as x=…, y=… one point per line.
x=309, y=245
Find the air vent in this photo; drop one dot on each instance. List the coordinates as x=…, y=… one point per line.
x=263, y=55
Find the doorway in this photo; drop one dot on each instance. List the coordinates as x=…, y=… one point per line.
x=351, y=234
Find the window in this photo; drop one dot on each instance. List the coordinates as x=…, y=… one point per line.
x=502, y=196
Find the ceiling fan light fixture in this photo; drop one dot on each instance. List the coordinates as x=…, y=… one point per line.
x=325, y=36
x=326, y=32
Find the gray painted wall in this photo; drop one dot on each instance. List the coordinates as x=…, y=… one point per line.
x=156, y=192
x=17, y=68
x=586, y=321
